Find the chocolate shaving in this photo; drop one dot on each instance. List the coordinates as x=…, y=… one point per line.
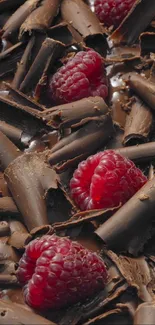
x=8, y=207
x=10, y=57
x=76, y=113
x=19, y=235
x=123, y=54
x=88, y=139
x=139, y=153
x=138, y=123
x=41, y=18
x=135, y=22
x=145, y=314
x=130, y=223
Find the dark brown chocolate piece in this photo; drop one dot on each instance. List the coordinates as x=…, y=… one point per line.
x=76, y=113
x=88, y=139
x=4, y=229
x=29, y=179
x=10, y=4
x=12, y=313
x=8, y=151
x=19, y=235
x=139, y=153
x=65, y=33
x=11, y=132
x=120, y=54
x=145, y=314
x=18, y=17
x=135, y=22
x=10, y=57
x=138, y=123
x=131, y=222
x=49, y=52
x=147, y=42
x=3, y=186
x=41, y=18
x=8, y=207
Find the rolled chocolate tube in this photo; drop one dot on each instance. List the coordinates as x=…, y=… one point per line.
x=76, y=113
x=19, y=235
x=138, y=123
x=145, y=314
x=139, y=153
x=22, y=315
x=10, y=57
x=135, y=22
x=8, y=151
x=11, y=132
x=8, y=207
x=10, y=4
x=88, y=139
x=130, y=220
x=29, y=179
x=49, y=52
x=4, y=229
x=42, y=17
x=18, y=17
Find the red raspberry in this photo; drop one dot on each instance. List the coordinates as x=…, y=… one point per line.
x=112, y=12
x=57, y=272
x=82, y=76
x=105, y=180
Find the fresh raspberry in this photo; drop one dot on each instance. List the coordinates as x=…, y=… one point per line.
x=112, y=12
x=82, y=76
x=56, y=272
x=105, y=180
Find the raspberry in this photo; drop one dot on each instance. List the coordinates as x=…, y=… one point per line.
x=56, y=272
x=112, y=12
x=82, y=76
x=105, y=180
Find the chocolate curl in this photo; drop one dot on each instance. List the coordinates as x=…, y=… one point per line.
x=138, y=123
x=29, y=179
x=65, y=33
x=7, y=253
x=139, y=153
x=19, y=16
x=41, y=18
x=10, y=57
x=85, y=22
x=132, y=222
x=87, y=140
x=49, y=52
x=135, y=22
x=19, y=235
x=8, y=207
x=145, y=314
x=10, y=311
x=144, y=88
x=10, y=4
x=3, y=186
x=11, y=132
x=4, y=229
x=8, y=151
x=75, y=113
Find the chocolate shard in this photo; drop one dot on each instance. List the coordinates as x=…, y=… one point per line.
x=8, y=207
x=132, y=222
x=147, y=43
x=135, y=22
x=19, y=235
x=10, y=57
x=49, y=52
x=87, y=140
x=22, y=315
x=41, y=18
x=123, y=54
x=145, y=314
x=4, y=229
x=139, y=153
x=29, y=179
x=10, y=4
x=18, y=18
x=65, y=33
x=85, y=22
x=76, y=113
x=8, y=151
x=138, y=123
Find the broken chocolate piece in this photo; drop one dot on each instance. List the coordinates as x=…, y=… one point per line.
x=87, y=140
x=135, y=22
x=19, y=235
x=76, y=113
x=119, y=231
x=138, y=123
x=10, y=57
x=145, y=314
x=139, y=153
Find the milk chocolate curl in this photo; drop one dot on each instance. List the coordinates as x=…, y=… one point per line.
x=87, y=140
x=8, y=151
x=42, y=17
x=133, y=220
x=139, y=153
x=8, y=207
x=19, y=235
x=49, y=52
x=12, y=313
x=145, y=314
x=76, y=113
x=18, y=17
x=10, y=57
x=138, y=123
x=135, y=22
x=29, y=179
x=144, y=88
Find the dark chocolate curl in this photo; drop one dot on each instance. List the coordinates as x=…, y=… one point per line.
x=135, y=22
x=138, y=123
x=49, y=52
x=133, y=220
x=8, y=207
x=87, y=140
x=19, y=234
x=145, y=314
x=76, y=113
x=19, y=16
x=144, y=88
x=8, y=151
x=29, y=179
x=11, y=132
x=42, y=17
x=139, y=153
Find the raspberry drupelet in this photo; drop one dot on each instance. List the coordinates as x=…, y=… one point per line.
x=105, y=180
x=83, y=76
x=112, y=12
x=57, y=272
